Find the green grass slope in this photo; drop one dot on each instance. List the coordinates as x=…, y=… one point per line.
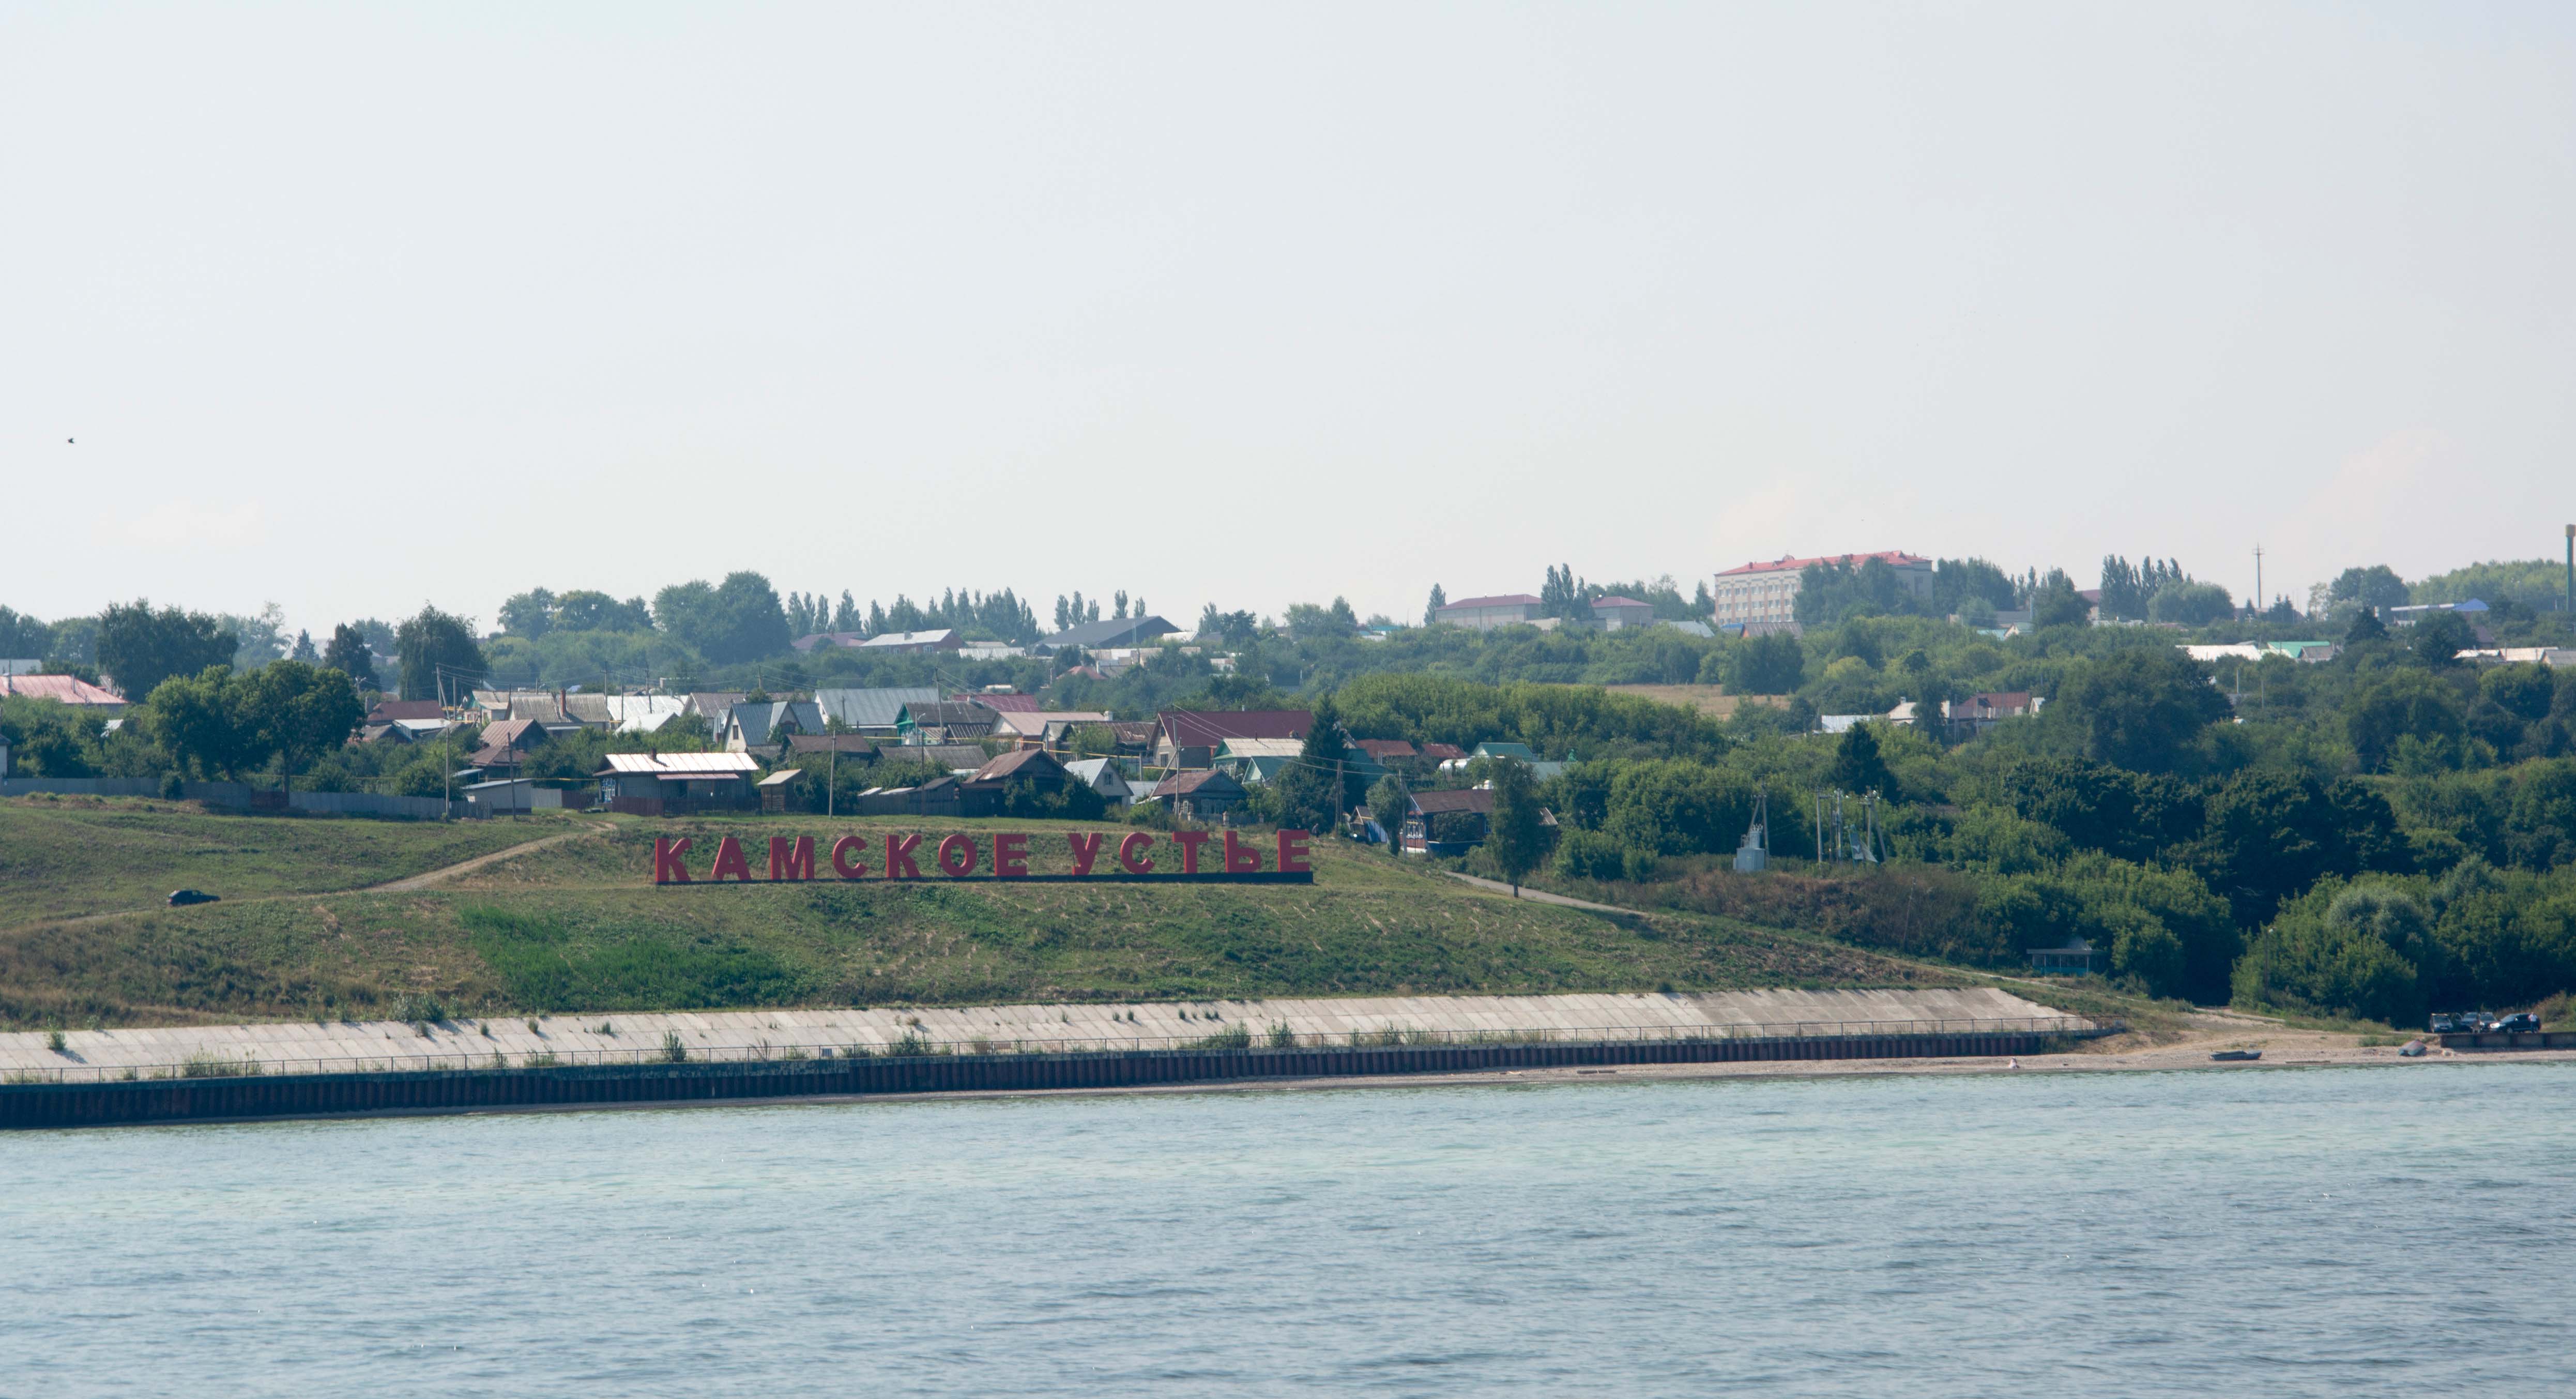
x=67, y=857
x=578, y=927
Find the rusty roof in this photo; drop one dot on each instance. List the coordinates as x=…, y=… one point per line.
x=65, y=689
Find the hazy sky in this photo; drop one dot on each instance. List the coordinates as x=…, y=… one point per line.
x=353, y=306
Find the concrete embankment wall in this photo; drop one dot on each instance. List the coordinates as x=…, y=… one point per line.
x=92, y=1104
x=1312, y=1022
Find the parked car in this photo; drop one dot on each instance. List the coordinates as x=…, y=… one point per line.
x=181, y=898
x=2446, y=1022
x=2517, y=1024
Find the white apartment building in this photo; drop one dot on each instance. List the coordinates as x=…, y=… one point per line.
x=1761, y=597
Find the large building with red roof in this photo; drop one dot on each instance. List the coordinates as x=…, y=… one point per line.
x=64, y=689
x=1762, y=597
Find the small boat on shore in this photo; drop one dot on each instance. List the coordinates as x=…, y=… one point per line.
x=2237, y=1055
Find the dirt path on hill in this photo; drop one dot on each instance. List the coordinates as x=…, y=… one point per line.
x=1540, y=896
x=423, y=881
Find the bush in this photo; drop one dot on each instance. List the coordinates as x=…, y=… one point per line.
x=1637, y=866
x=1588, y=855
x=2340, y=952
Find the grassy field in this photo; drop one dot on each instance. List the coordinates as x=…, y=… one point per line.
x=579, y=927
x=65, y=857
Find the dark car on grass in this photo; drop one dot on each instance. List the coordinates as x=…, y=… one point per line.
x=2523, y=1023
x=181, y=898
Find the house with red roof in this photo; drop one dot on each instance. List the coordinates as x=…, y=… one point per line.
x=64, y=689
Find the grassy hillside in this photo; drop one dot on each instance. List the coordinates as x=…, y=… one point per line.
x=578, y=927
x=63, y=857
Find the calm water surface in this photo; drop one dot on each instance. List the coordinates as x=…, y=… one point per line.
x=2325, y=1232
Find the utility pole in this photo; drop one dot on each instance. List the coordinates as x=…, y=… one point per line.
x=2259, y=603
x=2571, y=568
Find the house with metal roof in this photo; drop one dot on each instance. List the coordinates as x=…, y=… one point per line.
x=1200, y=794
x=651, y=784
x=1468, y=811
x=1486, y=613
x=943, y=721
x=1104, y=776
x=873, y=711
x=1254, y=760
x=750, y=726
x=1114, y=633
x=1189, y=738
x=1619, y=613
x=63, y=689
x=937, y=639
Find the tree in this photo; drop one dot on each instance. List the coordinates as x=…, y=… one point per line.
x=2057, y=604
x=2439, y=638
x=1514, y=838
x=298, y=712
x=1431, y=609
x=304, y=649
x=2190, y=604
x=2366, y=626
x=200, y=719
x=1305, y=793
x=586, y=609
x=2374, y=587
x=2142, y=709
x=1770, y=664
x=2400, y=704
x=435, y=647
x=530, y=614
x=28, y=639
x=1858, y=767
x=350, y=655
x=1389, y=802
x=140, y=647
x=2524, y=691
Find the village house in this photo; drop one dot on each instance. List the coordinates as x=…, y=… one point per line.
x=938, y=639
x=504, y=746
x=872, y=711
x=1189, y=738
x=1103, y=775
x=749, y=727
x=1253, y=760
x=1200, y=794
x=944, y=721
x=676, y=784
x=1462, y=815
x=1113, y=634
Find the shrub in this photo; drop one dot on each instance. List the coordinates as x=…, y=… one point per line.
x=1587, y=855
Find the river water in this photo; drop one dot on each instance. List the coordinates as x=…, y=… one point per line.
x=2274, y=1233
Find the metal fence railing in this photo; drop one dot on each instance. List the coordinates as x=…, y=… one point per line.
x=1236, y=1036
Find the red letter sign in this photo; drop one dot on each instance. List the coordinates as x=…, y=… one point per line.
x=849, y=857
x=1131, y=854
x=730, y=861
x=1086, y=849
x=1292, y=852
x=1239, y=857
x=1010, y=856
x=957, y=855
x=667, y=868
x=791, y=861
x=899, y=855
x=1189, y=841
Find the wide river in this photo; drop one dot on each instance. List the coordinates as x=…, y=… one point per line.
x=2271, y=1233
